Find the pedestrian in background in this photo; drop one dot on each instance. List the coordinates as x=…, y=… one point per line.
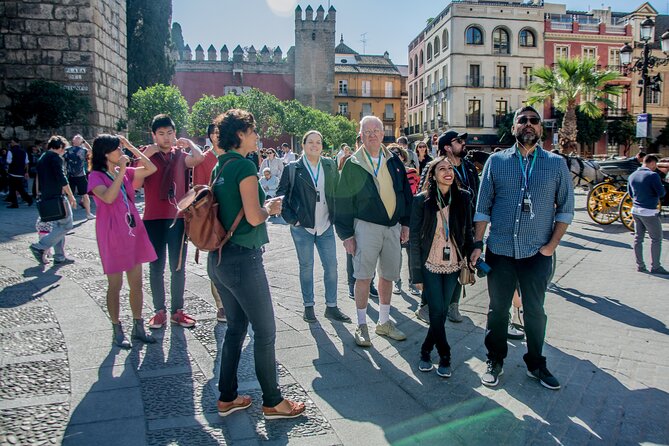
x=17, y=173
x=239, y=274
x=308, y=207
x=272, y=162
x=122, y=240
x=76, y=160
x=423, y=155
x=269, y=183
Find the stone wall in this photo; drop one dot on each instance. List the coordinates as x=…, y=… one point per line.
x=80, y=44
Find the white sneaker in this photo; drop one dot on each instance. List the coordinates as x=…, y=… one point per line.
x=90, y=216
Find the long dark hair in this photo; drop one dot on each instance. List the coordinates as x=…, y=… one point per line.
x=102, y=145
x=454, y=195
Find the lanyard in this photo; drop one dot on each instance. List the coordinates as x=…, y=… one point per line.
x=463, y=175
x=444, y=220
x=318, y=171
x=378, y=166
x=123, y=192
x=523, y=168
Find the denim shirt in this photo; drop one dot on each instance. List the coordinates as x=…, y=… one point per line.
x=513, y=233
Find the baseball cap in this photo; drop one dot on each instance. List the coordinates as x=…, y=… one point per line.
x=448, y=137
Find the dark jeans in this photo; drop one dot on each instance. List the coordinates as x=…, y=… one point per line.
x=241, y=281
x=437, y=291
x=531, y=274
x=167, y=242
x=17, y=185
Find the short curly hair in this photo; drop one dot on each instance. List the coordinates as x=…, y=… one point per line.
x=229, y=123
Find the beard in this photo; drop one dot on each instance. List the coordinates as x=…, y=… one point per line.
x=527, y=137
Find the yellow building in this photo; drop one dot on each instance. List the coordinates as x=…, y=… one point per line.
x=369, y=85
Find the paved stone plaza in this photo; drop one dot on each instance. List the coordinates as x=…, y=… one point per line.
x=62, y=382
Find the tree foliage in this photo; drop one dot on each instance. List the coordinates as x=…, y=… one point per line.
x=47, y=106
x=504, y=132
x=149, y=43
x=148, y=102
x=570, y=84
x=206, y=109
x=623, y=133
x=662, y=139
x=177, y=38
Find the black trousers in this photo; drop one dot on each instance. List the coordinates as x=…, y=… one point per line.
x=437, y=291
x=16, y=184
x=532, y=275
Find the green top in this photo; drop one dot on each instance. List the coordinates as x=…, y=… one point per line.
x=226, y=190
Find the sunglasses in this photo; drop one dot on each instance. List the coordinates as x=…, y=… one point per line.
x=533, y=120
x=460, y=140
x=422, y=146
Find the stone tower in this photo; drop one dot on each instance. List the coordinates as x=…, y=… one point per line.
x=315, y=57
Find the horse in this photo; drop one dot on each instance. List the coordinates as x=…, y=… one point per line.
x=585, y=173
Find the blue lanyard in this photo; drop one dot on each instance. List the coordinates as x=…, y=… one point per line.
x=123, y=192
x=318, y=170
x=523, y=168
x=378, y=166
x=463, y=175
x=444, y=220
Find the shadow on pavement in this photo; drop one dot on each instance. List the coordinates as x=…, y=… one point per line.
x=600, y=240
x=19, y=291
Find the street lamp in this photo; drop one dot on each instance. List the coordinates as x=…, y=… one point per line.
x=647, y=62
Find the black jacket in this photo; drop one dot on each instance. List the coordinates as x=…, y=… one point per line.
x=358, y=197
x=299, y=203
x=424, y=223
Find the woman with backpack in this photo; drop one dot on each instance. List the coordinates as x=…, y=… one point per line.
x=238, y=272
x=440, y=242
x=123, y=242
x=309, y=187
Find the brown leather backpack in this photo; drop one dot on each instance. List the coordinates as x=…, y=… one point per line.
x=202, y=227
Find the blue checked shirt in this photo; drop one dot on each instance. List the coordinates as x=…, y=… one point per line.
x=512, y=232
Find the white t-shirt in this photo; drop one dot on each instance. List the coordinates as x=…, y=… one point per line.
x=321, y=213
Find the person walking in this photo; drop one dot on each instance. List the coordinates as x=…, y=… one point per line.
x=76, y=159
x=440, y=241
x=239, y=274
x=527, y=197
x=646, y=189
x=17, y=172
x=123, y=243
x=308, y=185
x=53, y=183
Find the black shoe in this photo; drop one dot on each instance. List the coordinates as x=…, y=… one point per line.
x=491, y=376
x=373, y=292
x=335, y=314
x=13, y=206
x=309, y=315
x=65, y=261
x=444, y=369
x=139, y=333
x=659, y=270
x=545, y=378
x=641, y=269
x=351, y=291
x=38, y=254
x=119, y=337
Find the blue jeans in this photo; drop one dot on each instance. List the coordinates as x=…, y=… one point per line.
x=56, y=238
x=167, y=242
x=327, y=251
x=242, y=284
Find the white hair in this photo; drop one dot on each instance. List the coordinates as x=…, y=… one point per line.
x=369, y=118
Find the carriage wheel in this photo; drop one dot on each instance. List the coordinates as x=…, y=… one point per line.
x=603, y=201
x=625, y=212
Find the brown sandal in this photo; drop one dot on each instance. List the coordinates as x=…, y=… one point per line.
x=226, y=408
x=271, y=413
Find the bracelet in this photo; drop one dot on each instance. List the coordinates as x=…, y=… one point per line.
x=478, y=245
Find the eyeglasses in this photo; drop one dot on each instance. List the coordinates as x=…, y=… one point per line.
x=422, y=146
x=533, y=120
x=459, y=140
x=372, y=132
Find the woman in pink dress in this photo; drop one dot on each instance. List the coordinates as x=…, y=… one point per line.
x=122, y=239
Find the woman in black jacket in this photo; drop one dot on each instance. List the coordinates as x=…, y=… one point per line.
x=440, y=241
x=308, y=185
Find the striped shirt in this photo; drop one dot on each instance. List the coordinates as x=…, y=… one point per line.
x=513, y=233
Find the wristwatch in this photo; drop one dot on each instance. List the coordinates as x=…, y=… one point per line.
x=478, y=245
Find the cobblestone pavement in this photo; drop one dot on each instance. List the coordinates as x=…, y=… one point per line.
x=61, y=382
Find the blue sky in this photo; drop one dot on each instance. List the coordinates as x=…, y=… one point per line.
x=388, y=25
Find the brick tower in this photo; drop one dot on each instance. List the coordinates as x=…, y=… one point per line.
x=315, y=57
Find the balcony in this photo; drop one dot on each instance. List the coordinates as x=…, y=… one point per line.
x=360, y=93
x=389, y=117
x=475, y=81
x=474, y=120
x=617, y=68
x=442, y=84
x=615, y=112
x=433, y=89
x=501, y=82
x=525, y=81
x=347, y=115
x=497, y=119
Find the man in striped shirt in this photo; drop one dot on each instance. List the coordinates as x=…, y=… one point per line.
x=527, y=197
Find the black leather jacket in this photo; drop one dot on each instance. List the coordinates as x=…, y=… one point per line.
x=299, y=202
x=421, y=234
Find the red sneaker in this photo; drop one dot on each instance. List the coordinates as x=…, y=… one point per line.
x=158, y=320
x=183, y=319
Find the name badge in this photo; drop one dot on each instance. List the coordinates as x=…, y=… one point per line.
x=318, y=196
x=527, y=203
x=447, y=254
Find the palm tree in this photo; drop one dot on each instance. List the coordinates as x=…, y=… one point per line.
x=571, y=83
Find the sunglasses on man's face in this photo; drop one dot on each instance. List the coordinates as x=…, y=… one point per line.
x=532, y=119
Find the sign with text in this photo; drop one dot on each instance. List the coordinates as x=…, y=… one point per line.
x=643, y=125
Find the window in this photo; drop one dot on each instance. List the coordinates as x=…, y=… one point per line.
x=437, y=46
x=389, y=112
x=500, y=41
x=366, y=89
x=561, y=52
x=474, y=36
x=389, y=89
x=444, y=77
x=421, y=91
x=388, y=131
x=421, y=59
x=501, y=79
x=343, y=87
x=343, y=108
x=652, y=96
x=474, y=113
x=366, y=109
x=526, y=79
x=526, y=38
x=589, y=52
x=411, y=95
x=614, y=59
x=474, y=79
x=411, y=66
x=415, y=65
x=444, y=40
x=501, y=107
x=429, y=52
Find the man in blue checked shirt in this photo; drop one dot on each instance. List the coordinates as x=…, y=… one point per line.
x=527, y=197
